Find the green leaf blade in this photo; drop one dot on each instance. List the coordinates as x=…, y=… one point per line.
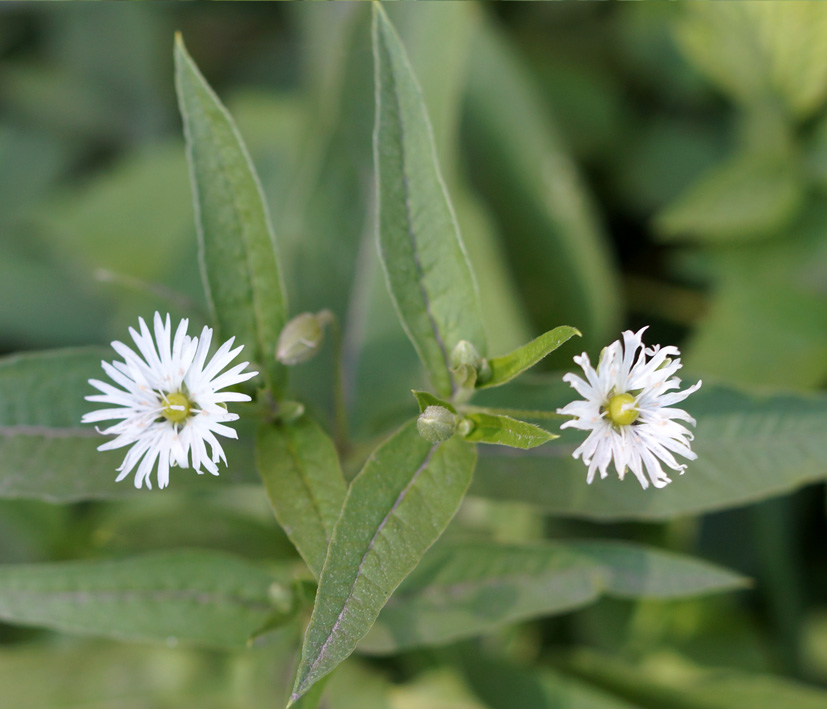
x=461, y=590
x=506, y=431
x=194, y=596
x=505, y=368
x=425, y=263
x=300, y=470
x=424, y=400
x=238, y=250
x=395, y=509
x=749, y=448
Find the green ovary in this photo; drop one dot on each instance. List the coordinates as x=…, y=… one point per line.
x=176, y=407
x=619, y=415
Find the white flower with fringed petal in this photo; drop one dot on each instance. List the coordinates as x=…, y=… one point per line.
x=628, y=411
x=170, y=405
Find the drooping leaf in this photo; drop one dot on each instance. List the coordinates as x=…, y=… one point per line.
x=506, y=431
x=749, y=448
x=238, y=250
x=45, y=452
x=395, y=509
x=301, y=473
x=465, y=589
x=425, y=263
x=505, y=368
x=193, y=596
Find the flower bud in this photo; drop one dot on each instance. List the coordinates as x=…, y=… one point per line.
x=464, y=427
x=468, y=366
x=436, y=424
x=465, y=353
x=300, y=339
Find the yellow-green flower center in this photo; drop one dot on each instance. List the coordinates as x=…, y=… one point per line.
x=621, y=409
x=176, y=407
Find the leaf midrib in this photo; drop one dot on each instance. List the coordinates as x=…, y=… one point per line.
x=420, y=275
x=379, y=531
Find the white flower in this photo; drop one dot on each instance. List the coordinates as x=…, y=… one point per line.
x=170, y=404
x=628, y=411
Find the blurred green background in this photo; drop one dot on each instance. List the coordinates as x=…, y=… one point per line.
x=612, y=165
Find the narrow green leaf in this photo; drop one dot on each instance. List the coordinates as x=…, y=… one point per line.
x=301, y=473
x=519, y=163
x=424, y=399
x=425, y=262
x=45, y=452
x=238, y=251
x=465, y=589
x=193, y=596
x=506, y=431
x=505, y=368
x=395, y=509
x=749, y=448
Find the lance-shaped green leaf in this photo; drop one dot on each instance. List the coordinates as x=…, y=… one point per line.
x=238, y=249
x=506, y=431
x=395, y=509
x=505, y=368
x=427, y=269
x=300, y=469
x=424, y=399
x=749, y=448
x=45, y=452
x=465, y=589
x=195, y=596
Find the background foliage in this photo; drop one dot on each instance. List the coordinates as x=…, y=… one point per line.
x=610, y=166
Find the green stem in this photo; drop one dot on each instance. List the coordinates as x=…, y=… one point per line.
x=515, y=413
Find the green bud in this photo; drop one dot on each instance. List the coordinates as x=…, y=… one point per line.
x=281, y=597
x=464, y=427
x=468, y=366
x=289, y=411
x=436, y=424
x=301, y=338
x=465, y=353
x=484, y=372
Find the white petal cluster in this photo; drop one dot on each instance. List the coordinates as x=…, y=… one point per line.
x=169, y=375
x=646, y=374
